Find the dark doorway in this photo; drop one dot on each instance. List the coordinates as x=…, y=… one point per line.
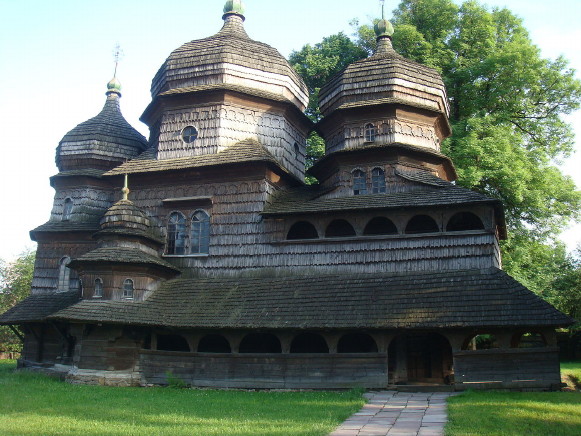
x=418, y=358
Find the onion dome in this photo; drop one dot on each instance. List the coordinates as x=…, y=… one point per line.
x=103, y=142
x=230, y=57
x=125, y=215
x=400, y=101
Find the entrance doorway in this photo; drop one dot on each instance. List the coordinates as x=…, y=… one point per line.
x=420, y=358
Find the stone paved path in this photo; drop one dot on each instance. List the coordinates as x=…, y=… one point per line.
x=394, y=413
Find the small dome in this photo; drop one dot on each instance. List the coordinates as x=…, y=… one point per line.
x=125, y=215
x=104, y=141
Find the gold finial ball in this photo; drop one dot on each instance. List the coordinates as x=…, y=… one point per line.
x=114, y=86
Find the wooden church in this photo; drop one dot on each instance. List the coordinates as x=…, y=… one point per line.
x=222, y=267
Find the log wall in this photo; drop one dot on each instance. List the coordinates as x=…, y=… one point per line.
x=285, y=371
x=512, y=368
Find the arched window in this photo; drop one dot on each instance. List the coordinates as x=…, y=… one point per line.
x=359, y=182
x=176, y=234
x=172, y=343
x=369, y=132
x=98, y=288
x=528, y=340
x=64, y=275
x=483, y=341
x=260, y=343
x=339, y=228
x=200, y=235
x=297, y=149
x=128, y=288
x=67, y=209
x=421, y=224
x=380, y=226
x=377, y=181
x=309, y=343
x=214, y=344
x=356, y=343
x=464, y=221
x=302, y=230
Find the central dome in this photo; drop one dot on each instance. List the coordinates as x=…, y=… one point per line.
x=230, y=57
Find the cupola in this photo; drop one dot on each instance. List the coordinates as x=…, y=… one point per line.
x=215, y=92
x=104, y=141
x=384, y=99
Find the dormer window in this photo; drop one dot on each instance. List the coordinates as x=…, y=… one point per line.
x=359, y=182
x=128, y=288
x=67, y=209
x=189, y=134
x=370, y=132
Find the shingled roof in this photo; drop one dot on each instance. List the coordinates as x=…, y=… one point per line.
x=431, y=299
x=106, y=137
x=118, y=255
x=306, y=200
x=382, y=75
x=248, y=150
x=203, y=61
x=38, y=307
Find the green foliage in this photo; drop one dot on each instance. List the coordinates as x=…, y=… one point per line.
x=506, y=108
x=15, y=281
x=174, y=382
x=480, y=413
x=37, y=405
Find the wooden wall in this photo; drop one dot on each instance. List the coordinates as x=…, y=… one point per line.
x=48, y=257
x=512, y=368
x=223, y=124
x=284, y=371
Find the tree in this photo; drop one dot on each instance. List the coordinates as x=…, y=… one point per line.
x=15, y=282
x=507, y=104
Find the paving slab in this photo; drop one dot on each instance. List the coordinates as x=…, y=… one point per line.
x=391, y=413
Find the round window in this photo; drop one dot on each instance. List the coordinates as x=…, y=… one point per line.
x=189, y=134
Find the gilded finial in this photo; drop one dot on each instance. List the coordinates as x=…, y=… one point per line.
x=125, y=189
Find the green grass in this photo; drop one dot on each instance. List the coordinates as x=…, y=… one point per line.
x=477, y=413
x=571, y=373
x=36, y=405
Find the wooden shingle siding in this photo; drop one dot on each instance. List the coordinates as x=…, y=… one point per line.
x=48, y=257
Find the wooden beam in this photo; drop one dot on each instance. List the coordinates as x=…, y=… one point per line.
x=17, y=333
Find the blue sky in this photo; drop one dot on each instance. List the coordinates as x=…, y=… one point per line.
x=57, y=58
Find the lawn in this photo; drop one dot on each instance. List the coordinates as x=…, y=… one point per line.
x=36, y=405
x=571, y=373
x=478, y=413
